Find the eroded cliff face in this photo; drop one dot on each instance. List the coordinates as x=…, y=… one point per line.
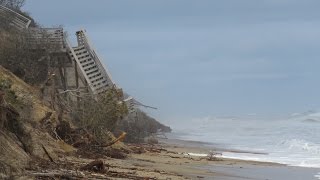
x=30, y=131
x=23, y=132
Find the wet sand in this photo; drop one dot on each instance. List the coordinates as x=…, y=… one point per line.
x=176, y=162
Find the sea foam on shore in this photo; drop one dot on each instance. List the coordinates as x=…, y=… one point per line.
x=294, y=142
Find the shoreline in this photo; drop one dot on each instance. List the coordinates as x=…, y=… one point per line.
x=232, y=169
x=169, y=159
x=216, y=147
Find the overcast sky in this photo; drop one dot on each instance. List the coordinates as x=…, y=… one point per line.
x=197, y=58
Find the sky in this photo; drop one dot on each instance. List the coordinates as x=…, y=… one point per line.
x=199, y=58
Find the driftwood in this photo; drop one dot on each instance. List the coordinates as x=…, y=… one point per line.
x=120, y=138
x=212, y=156
x=95, y=166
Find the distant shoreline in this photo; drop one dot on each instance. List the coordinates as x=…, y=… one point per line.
x=208, y=146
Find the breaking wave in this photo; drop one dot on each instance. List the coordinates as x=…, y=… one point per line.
x=293, y=141
x=302, y=146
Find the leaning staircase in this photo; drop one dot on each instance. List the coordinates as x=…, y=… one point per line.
x=86, y=63
x=97, y=76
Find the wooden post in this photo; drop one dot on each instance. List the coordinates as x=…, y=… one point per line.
x=77, y=83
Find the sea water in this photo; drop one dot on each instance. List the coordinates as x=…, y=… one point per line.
x=293, y=141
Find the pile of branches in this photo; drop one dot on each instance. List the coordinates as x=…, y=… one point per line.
x=87, y=144
x=77, y=137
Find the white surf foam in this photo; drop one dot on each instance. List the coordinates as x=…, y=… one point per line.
x=294, y=152
x=287, y=141
x=195, y=154
x=302, y=145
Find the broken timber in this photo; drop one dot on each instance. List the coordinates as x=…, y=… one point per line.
x=17, y=20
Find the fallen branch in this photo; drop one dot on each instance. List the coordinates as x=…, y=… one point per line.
x=120, y=138
x=47, y=153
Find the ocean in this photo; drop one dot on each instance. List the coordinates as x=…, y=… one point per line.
x=294, y=141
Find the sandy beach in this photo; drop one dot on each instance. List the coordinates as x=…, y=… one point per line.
x=233, y=169
x=169, y=159
x=174, y=162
